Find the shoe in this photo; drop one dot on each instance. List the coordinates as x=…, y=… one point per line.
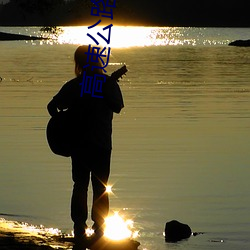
x=78, y=247
x=98, y=233
x=80, y=237
x=79, y=230
x=81, y=242
x=98, y=229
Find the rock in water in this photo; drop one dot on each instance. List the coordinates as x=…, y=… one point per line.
x=176, y=231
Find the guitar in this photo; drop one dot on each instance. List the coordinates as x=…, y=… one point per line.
x=119, y=73
x=60, y=127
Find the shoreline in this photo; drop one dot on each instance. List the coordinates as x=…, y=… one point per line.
x=15, y=236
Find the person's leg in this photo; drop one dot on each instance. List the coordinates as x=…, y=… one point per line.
x=79, y=208
x=99, y=178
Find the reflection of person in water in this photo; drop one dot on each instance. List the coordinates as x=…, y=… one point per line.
x=91, y=150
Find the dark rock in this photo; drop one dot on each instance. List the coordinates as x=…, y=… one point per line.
x=15, y=37
x=240, y=43
x=197, y=233
x=176, y=231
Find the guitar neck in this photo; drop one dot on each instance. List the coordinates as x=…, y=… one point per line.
x=119, y=73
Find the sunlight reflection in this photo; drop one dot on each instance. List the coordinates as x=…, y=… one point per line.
x=89, y=232
x=117, y=228
x=140, y=36
x=126, y=36
x=109, y=189
x=30, y=229
x=120, y=37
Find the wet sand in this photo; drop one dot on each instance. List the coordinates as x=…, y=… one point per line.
x=14, y=235
x=13, y=241
x=8, y=241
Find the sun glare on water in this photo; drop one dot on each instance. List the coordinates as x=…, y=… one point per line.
x=119, y=229
x=136, y=36
x=109, y=189
x=121, y=36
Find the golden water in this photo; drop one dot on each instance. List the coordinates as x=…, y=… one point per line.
x=180, y=145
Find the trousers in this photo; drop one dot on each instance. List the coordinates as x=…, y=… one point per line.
x=89, y=163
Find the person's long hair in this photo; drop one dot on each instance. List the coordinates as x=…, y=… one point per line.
x=81, y=60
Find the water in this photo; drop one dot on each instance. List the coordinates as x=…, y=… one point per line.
x=180, y=146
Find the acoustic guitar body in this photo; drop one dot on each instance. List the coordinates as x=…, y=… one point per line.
x=59, y=134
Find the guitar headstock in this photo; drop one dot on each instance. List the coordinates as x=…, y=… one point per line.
x=119, y=73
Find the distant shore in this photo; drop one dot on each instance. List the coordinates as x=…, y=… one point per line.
x=15, y=37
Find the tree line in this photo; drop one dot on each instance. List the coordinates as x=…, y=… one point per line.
x=127, y=12
x=44, y=12
x=64, y=12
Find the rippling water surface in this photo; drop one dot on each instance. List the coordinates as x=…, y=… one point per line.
x=180, y=146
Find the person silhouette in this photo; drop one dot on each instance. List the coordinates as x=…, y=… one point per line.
x=91, y=146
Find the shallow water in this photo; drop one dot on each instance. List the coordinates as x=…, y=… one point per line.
x=180, y=146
